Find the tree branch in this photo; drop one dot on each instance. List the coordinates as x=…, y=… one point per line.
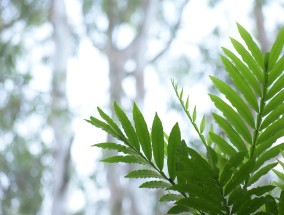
x=142, y=29
x=98, y=46
x=174, y=30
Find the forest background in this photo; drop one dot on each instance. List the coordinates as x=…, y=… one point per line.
x=61, y=59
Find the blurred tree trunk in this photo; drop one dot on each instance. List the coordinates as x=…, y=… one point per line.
x=260, y=25
x=59, y=116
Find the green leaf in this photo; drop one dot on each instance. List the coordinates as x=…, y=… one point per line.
x=281, y=203
x=201, y=191
x=261, y=190
x=123, y=159
x=273, y=116
x=143, y=173
x=170, y=197
x=115, y=146
x=266, y=144
x=213, y=161
x=111, y=123
x=280, y=162
x=235, y=100
x=278, y=184
x=174, y=141
x=270, y=205
x=274, y=103
x=253, y=205
x=100, y=124
x=232, y=117
x=276, y=49
x=181, y=154
x=127, y=127
x=240, y=83
x=155, y=185
x=250, y=61
x=279, y=174
x=269, y=154
x=158, y=142
x=224, y=146
x=233, y=136
x=252, y=46
x=270, y=132
x=178, y=209
x=194, y=114
x=244, y=71
x=200, y=160
x=230, y=167
x=200, y=204
x=240, y=176
x=187, y=103
x=275, y=88
x=263, y=171
x=202, y=124
x=276, y=71
x=209, y=140
x=237, y=198
x=142, y=132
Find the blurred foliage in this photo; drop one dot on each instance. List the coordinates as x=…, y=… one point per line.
x=20, y=151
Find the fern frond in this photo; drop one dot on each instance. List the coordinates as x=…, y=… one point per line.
x=224, y=179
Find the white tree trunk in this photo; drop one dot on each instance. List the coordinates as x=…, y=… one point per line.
x=59, y=116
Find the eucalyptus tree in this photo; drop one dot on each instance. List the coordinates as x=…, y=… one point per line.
x=59, y=116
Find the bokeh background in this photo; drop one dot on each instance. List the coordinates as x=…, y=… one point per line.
x=59, y=60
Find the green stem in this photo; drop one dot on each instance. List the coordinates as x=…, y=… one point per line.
x=188, y=114
x=156, y=168
x=259, y=115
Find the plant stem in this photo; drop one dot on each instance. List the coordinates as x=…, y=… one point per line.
x=260, y=113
